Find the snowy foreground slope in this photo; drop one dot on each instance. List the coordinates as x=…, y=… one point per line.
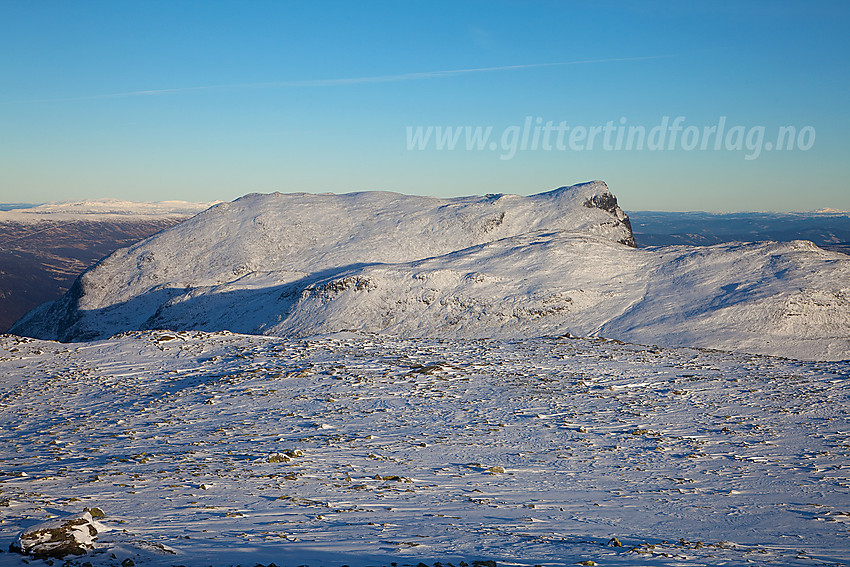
x=498, y=266
x=358, y=449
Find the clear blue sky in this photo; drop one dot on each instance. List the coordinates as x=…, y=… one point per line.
x=211, y=100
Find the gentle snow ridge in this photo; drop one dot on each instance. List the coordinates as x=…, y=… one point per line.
x=492, y=266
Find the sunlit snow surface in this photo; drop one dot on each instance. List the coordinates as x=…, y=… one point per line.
x=687, y=457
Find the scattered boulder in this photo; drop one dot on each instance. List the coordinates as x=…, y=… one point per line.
x=60, y=537
x=392, y=477
x=284, y=456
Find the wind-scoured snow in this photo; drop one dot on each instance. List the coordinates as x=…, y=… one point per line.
x=368, y=450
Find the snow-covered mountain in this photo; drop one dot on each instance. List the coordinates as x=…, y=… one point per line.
x=493, y=266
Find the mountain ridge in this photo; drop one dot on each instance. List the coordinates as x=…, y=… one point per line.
x=558, y=262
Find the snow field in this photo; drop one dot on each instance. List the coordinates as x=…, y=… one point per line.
x=364, y=449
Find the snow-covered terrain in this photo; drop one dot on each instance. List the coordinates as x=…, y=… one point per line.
x=498, y=266
x=412, y=388
x=358, y=449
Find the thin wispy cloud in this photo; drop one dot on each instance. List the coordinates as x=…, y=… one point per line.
x=348, y=81
x=451, y=73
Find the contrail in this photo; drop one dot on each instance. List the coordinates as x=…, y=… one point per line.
x=360, y=80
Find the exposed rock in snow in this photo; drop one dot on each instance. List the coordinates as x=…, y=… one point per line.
x=59, y=538
x=492, y=266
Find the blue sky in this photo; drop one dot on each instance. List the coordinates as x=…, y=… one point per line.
x=211, y=100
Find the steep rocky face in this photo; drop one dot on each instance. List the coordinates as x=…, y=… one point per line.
x=608, y=202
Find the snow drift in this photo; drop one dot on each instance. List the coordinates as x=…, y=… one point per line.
x=493, y=266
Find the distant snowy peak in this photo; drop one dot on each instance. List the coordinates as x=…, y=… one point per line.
x=104, y=209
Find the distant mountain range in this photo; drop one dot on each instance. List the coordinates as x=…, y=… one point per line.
x=13, y=206
x=492, y=266
x=828, y=229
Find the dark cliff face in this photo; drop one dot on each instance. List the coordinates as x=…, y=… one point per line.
x=604, y=201
x=608, y=202
x=630, y=241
